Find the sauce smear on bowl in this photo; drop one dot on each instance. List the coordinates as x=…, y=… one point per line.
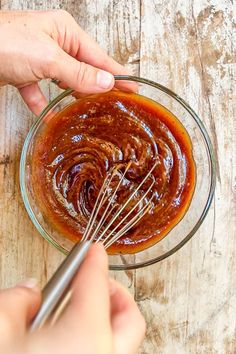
x=78, y=145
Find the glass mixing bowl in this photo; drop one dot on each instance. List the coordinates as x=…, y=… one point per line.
x=202, y=197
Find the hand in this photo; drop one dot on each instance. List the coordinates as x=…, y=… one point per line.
x=102, y=317
x=36, y=45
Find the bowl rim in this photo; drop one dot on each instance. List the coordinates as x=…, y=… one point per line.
x=210, y=153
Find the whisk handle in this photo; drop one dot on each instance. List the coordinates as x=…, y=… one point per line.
x=54, y=291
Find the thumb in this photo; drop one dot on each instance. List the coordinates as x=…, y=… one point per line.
x=79, y=76
x=18, y=306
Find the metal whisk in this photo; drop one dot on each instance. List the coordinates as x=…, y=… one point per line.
x=101, y=228
x=108, y=222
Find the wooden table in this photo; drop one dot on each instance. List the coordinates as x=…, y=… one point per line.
x=189, y=300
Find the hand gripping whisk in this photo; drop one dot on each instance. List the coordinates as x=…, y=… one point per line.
x=108, y=222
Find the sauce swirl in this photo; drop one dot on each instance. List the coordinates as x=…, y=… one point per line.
x=78, y=145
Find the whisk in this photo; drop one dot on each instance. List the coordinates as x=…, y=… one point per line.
x=108, y=222
x=101, y=229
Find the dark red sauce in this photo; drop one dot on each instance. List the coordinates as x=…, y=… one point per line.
x=77, y=147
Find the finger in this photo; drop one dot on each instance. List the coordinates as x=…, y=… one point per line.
x=90, y=303
x=78, y=75
x=128, y=324
x=33, y=97
x=77, y=43
x=88, y=314
x=18, y=306
x=88, y=47
x=90, y=52
x=123, y=85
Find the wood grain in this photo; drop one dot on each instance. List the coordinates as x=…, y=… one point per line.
x=189, y=49
x=189, y=299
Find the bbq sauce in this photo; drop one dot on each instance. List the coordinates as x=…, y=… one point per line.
x=78, y=146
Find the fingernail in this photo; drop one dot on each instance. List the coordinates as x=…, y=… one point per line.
x=30, y=283
x=104, y=79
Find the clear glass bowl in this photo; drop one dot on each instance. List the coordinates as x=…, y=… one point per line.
x=203, y=194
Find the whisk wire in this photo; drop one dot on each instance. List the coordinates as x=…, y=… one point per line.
x=105, y=215
x=98, y=203
x=122, y=207
x=96, y=231
x=128, y=214
x=145, y=209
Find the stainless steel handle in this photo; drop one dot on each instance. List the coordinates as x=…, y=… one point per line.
x=55, y=289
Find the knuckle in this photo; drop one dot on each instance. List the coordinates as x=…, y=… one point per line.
x=34, y=100
x=51, y=60
x=82, y=74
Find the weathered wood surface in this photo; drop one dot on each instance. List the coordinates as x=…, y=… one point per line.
x=189, y=300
